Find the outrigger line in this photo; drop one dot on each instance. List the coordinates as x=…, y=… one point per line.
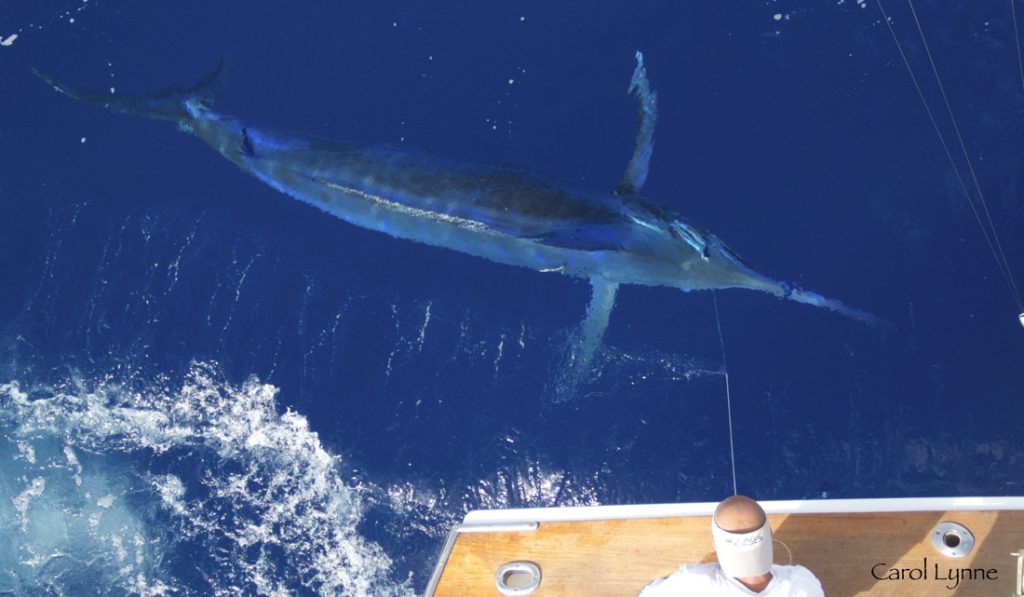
x=988, y=229
x=1020, y=60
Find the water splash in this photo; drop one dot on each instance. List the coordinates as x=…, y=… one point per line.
x=206, y=488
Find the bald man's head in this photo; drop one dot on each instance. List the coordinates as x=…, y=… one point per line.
x=739, y=514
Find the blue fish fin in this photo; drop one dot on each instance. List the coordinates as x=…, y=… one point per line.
x=585, y=341
x=647, y=112
x=175, y=103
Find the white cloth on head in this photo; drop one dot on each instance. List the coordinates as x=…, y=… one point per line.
x=708, y=580
x=743, y=554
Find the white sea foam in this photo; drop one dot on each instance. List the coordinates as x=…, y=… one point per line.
x=251, y=489
x=24, y=499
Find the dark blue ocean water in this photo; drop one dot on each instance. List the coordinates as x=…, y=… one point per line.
x=208, y=387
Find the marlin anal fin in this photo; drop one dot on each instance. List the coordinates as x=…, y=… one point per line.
x=585, y=341
x=640, y=162
x=175, y=103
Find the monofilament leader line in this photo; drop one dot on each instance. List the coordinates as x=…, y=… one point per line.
x=987, y=227
x=728, y=396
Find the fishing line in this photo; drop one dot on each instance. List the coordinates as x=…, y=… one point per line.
x=1016, y=38
x=989, y=231
x=728, y=396
x=970, y=165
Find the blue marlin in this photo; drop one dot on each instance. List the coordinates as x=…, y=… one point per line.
x=509, y=216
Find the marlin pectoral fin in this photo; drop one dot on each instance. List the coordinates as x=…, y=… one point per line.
x=640, y=162
x=602, y=301
x=595, y=322
x=585, y=341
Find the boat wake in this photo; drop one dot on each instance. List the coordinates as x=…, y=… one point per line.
x=201, y=489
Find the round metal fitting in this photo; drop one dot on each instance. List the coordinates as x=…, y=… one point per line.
x=952, y=540
x=517, y=578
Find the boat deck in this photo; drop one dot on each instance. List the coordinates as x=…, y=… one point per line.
x=872, y=548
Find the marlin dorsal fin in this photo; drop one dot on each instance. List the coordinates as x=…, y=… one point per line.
x=647, y=113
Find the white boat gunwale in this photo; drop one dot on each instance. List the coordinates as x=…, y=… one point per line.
x=517, y=516
x=526, y=519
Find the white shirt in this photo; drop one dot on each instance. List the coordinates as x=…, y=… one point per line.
x=708, y=580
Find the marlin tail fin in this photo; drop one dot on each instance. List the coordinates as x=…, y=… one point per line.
x=175, y=103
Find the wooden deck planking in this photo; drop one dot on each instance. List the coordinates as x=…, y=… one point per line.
x=618, y=557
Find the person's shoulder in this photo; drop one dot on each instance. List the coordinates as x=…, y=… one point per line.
x=689, y=577
x=796, y=570
x=799, y=580
x=698, y=570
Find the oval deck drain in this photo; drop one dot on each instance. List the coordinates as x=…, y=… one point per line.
x=517, y=578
